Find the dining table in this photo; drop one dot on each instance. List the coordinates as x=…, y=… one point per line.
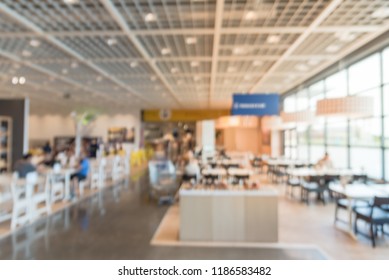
x=353, y=192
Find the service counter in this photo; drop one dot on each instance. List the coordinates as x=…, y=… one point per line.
x=229, y=215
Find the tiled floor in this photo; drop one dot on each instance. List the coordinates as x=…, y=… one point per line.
x=120, y=222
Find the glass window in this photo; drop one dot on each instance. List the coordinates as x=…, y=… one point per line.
x=336, y=85
x=302, y=99
x=316, y=153
x=365, y=74
x=339, y=156
x=337, y=133
x=386, y=101
x=385, y=64
x=386, y=135
x=316, y=92
x=302, y=152
x=293, y=137
x=302, y=135
x=290, y=103
x=368, y=160
x=387, y=165
x=293, y=152
x=365, y=132
x=376, y=95
x=316, y=134
x=287, y=152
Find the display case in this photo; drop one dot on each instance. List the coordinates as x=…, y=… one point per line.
x=5, y=143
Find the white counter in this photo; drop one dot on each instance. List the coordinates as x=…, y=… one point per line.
x=229, y=215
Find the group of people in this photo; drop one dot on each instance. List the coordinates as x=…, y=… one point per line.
x=81, y=164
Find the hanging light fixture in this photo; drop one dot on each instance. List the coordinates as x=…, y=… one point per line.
x=350, y=106
x=305, y=116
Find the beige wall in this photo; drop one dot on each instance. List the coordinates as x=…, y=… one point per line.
x=242, y=139
x=46, y=127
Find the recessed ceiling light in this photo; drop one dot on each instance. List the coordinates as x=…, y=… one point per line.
x=22, y=80
x=382, y=12
x=15, y=80
x=301, y=67
x=194, y=64
x=250, y=15
x=333, y=48
x=71, y=2
x=231, y=69
x=313, y=62
x=150, y=17
x=257, y=63
x=191, y=40
x=273, y=39
x=174, y=70
x=26, y=53
x=65, y=71
x=165, y=51
x=35, y=43
x=247, y=77
x=345, y=36
x=112, y=41
x=134, y=64
x=239, y=50
x=74, y=64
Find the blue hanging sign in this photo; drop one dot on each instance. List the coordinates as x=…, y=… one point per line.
x=256, y=104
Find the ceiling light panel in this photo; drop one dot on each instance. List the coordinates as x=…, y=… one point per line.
x=317, y=44
x=55, y=15
x=21, y=47
x=177, y=45
x=9, y=25
x=184, y=67
x=255, y=44
x=167, y=14
x=358, y=13
x=118, y=67
x=97, y=47
x=253, y=13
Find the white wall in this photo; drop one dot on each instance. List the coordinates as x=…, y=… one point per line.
x=46, y=127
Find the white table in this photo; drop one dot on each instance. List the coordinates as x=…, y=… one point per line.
x=306, y=172
x=66, y=173
x=240, y=172
x=358, y=192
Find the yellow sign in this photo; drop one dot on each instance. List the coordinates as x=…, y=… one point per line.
x=183, y=115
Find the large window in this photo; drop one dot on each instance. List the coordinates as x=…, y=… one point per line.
x=368, y=160
x=336, y=85
x=366, y=132
x=337, y=133
x=385, y=64
x=357, y=143
x=365, y=74
x=387, y=165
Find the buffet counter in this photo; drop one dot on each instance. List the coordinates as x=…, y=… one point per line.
x=233, y=215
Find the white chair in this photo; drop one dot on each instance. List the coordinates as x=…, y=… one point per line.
x=98, y=174
x=57, y=184
x=21, y=209
x=117, y=169
x=5, y=201
x=40, y=196
x=126, y=164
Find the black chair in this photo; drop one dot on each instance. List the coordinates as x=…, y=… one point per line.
x=291, y=184
x=343, y=203
x=210, y=179
x=315, y=184
x=377, y=215
x=189, y=177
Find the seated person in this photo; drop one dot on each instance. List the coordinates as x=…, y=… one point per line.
x=24, y=166
x=325, y=162
x=82, y=170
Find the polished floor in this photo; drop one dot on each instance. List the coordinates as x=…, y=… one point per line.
x=119, y=223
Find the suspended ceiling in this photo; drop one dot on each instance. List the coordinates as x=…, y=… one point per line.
x=114, y=55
